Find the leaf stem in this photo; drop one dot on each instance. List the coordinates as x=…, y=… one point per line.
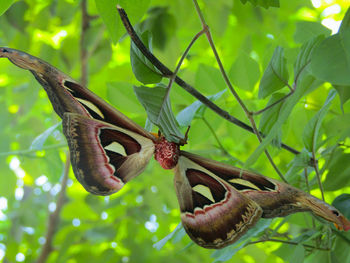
x=221, y=147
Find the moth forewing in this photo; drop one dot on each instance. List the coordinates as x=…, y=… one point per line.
x=104, y=157
x=66, y=95
x=213, y=213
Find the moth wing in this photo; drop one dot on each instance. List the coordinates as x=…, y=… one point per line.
x=104, y=157
x=66, y=95
x=214, y=214
x=277, y=199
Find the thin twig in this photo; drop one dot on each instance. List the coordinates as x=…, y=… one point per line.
x=221, y=147
x=233, y=91
x=168, y=73
x=172, y=78
x=286, y=242
x=272, y=105
x=54, y=218
x=317, y=174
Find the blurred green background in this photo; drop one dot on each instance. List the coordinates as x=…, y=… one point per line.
x=125, y=226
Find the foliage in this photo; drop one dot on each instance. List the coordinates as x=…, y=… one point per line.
x=270, y=48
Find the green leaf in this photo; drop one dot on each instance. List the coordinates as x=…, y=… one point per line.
x=298, y=254
x=15, y=15
x=306, y=30
x=264, y=3
x=342, y=203
x=304, y=56
x=226, y=253
x=209, y=79
x=312, y=128
x=276, y=74
x=177, y=234
x=108, y=11
x=122, y=95
x=4, y=5
x=343, y=92
x=158, y=108
x=345, y=24
x=304, y=84
x=270, y=116
x=338, y=171
x=244, y=72
x=162, y=24
x=39, y=141
x=331, y=59
x=142, y=68
x=196, y=109
x=300, y=162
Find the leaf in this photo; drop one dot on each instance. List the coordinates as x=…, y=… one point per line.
x=177, y=234
x=345, y=24
x=304, y=84
x=4, y=5
x=306, y=30
x=122, y=95
x=343, y=92
x=298, y=254
x=209, y=79
x=270, y=116
x=331, y=59
x=15, y=15
x=159, y=110
x=244, y=72
x=39, y=141
x=108, y=11
x=338, y=171
x=264, y=3
x=142, y=68
x=304, y=56
x=276, y=74
x=226, y=253
x=196, y=109
x=342, y=203
x=162, y=24
x=312, y=128
x=300, y=161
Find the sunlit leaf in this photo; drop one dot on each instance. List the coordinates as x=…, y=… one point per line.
x=276, y=74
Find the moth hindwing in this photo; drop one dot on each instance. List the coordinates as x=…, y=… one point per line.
x=213, y=213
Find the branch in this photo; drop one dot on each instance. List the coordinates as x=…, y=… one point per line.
x=54, y=218
x=233, y=91
x=168, y=73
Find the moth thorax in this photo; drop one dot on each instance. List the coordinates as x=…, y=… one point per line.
x=166, y=153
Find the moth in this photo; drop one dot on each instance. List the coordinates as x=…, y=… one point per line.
x=218, y=202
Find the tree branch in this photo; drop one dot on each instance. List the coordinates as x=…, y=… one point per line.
x=168, y=74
